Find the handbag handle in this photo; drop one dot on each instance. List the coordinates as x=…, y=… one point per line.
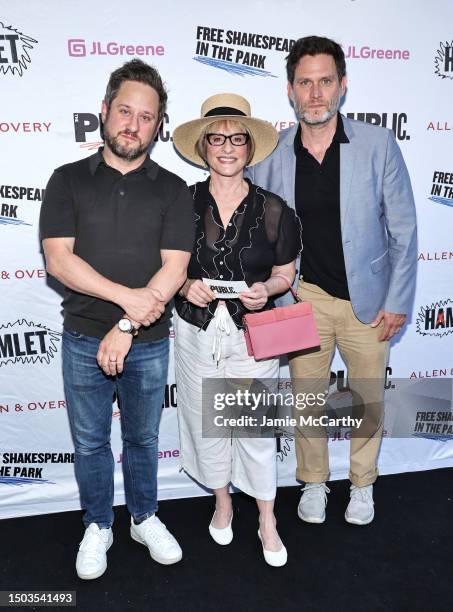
x=294, y=294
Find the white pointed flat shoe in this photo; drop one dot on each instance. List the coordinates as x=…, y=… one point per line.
x=275, y=558
x=222, y=536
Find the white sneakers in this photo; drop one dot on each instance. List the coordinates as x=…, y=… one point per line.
x=92, y=556
x=312, y=505
x=222, y=536
x=360, y=510
x=162, y=546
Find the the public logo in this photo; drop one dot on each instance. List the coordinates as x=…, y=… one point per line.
x=90, y=123
x=27, y=342
x=15, y=50
x=436, y=319
x=443, y=62
x=397, y=122
x=442, y=188
x=238, y=52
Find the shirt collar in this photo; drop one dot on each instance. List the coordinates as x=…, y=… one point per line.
x=339, y=136
x=151, y=167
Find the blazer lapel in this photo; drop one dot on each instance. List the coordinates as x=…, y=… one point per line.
x=288, y=162
x=347, y=162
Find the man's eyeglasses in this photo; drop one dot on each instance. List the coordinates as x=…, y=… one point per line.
x=217, y=140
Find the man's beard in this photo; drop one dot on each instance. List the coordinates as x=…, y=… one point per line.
x=127, y=153
x=304, y=116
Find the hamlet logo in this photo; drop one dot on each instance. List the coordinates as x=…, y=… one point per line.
x=443, y=62
x=238, y=52
x=14, y=50
x=89, y=123
x=442, y=188
x=397, y=122
x=436, y=319
x=27, y=342
x=16, y=470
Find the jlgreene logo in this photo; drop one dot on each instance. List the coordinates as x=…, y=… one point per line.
x=442, y=188
x=14, y=50
x=443, y=62
x=436, y=319
x=27, y=342
x=79, y=47
x=365, y=52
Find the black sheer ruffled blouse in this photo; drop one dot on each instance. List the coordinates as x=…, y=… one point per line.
x=263, y=232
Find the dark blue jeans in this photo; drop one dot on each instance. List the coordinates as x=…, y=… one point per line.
x=89, y=392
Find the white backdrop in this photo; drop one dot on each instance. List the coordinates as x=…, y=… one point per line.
x=55, y=59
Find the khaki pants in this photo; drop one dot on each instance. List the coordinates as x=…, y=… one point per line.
x=366, y=361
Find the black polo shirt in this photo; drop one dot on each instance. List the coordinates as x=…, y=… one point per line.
x=317, y=198
x=120, y=223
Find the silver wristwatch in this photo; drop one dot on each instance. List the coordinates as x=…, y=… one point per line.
x=125, y=325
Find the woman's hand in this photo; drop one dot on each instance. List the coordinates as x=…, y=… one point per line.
x=256, y=297
x=196, y=292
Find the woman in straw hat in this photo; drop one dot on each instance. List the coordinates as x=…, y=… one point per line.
x=243, y=233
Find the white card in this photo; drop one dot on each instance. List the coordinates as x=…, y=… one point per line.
x=226, y=290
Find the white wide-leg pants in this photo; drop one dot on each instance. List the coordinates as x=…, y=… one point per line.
x=249, y=463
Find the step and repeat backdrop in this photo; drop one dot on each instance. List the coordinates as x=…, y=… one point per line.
x=55, y=59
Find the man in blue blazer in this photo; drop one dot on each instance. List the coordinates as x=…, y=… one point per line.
x=349, y=185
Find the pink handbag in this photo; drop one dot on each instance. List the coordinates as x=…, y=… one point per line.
x=281, y=330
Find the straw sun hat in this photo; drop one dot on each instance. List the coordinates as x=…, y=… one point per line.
x=223, y=107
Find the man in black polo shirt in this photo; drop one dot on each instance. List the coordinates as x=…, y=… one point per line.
x=117, y=231
x=350, y=187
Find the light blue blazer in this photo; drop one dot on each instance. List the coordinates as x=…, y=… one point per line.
x=378, y=221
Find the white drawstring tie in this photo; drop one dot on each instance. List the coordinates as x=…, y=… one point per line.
x=222, y=326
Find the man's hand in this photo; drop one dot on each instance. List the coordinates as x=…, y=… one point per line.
x=392, y=323
x=113, y=349
x=143, y=305
x=197, y=292
x=256, y=297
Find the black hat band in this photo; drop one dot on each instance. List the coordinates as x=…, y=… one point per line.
x=224, y=110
